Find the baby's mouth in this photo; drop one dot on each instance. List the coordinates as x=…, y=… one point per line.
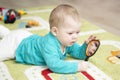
x=72, y=42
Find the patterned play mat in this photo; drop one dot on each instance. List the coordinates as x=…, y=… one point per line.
x=104, y=65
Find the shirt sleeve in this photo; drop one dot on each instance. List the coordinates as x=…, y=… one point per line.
x=54, y=62
x=78, y=51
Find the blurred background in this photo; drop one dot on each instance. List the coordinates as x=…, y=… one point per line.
x=103, y=13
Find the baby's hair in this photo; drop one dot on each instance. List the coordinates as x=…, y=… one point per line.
x=59, y=14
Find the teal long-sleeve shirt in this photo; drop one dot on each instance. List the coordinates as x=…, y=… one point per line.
x=45, y=50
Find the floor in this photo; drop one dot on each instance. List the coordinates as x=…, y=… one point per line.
x=104, y=13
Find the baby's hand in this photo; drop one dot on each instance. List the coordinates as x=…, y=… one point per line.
x=92, y=37
x=83, y=66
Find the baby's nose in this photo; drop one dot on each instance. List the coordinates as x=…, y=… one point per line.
x=75, y=36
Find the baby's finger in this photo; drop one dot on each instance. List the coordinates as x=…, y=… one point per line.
x=93, y=37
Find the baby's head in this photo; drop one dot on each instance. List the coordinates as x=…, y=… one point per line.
x=65, y=24
x=61, y=13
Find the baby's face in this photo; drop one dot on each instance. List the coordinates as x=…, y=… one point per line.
x=93, y=47
x=68, y=33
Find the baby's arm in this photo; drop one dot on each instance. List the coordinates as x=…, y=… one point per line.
x=78, y=51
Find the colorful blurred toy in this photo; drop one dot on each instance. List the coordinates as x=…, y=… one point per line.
x=32, y=23
x=22, y=12
x=116, y=53
x=10, y=15
x=115, y=58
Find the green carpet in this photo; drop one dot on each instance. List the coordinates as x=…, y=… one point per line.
x=109, y=42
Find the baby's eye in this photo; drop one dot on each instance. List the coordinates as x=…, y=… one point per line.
x=70, y=33
x=77, y=32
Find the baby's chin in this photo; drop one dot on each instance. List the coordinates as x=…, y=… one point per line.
x=70, y=44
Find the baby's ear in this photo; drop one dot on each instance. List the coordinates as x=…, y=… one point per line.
x=54, y=30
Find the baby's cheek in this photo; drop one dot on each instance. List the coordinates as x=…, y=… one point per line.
x=95, y=47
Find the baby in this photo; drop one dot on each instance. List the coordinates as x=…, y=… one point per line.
x=51, y=49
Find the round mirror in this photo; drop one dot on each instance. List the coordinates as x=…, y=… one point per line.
x=92, y=48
